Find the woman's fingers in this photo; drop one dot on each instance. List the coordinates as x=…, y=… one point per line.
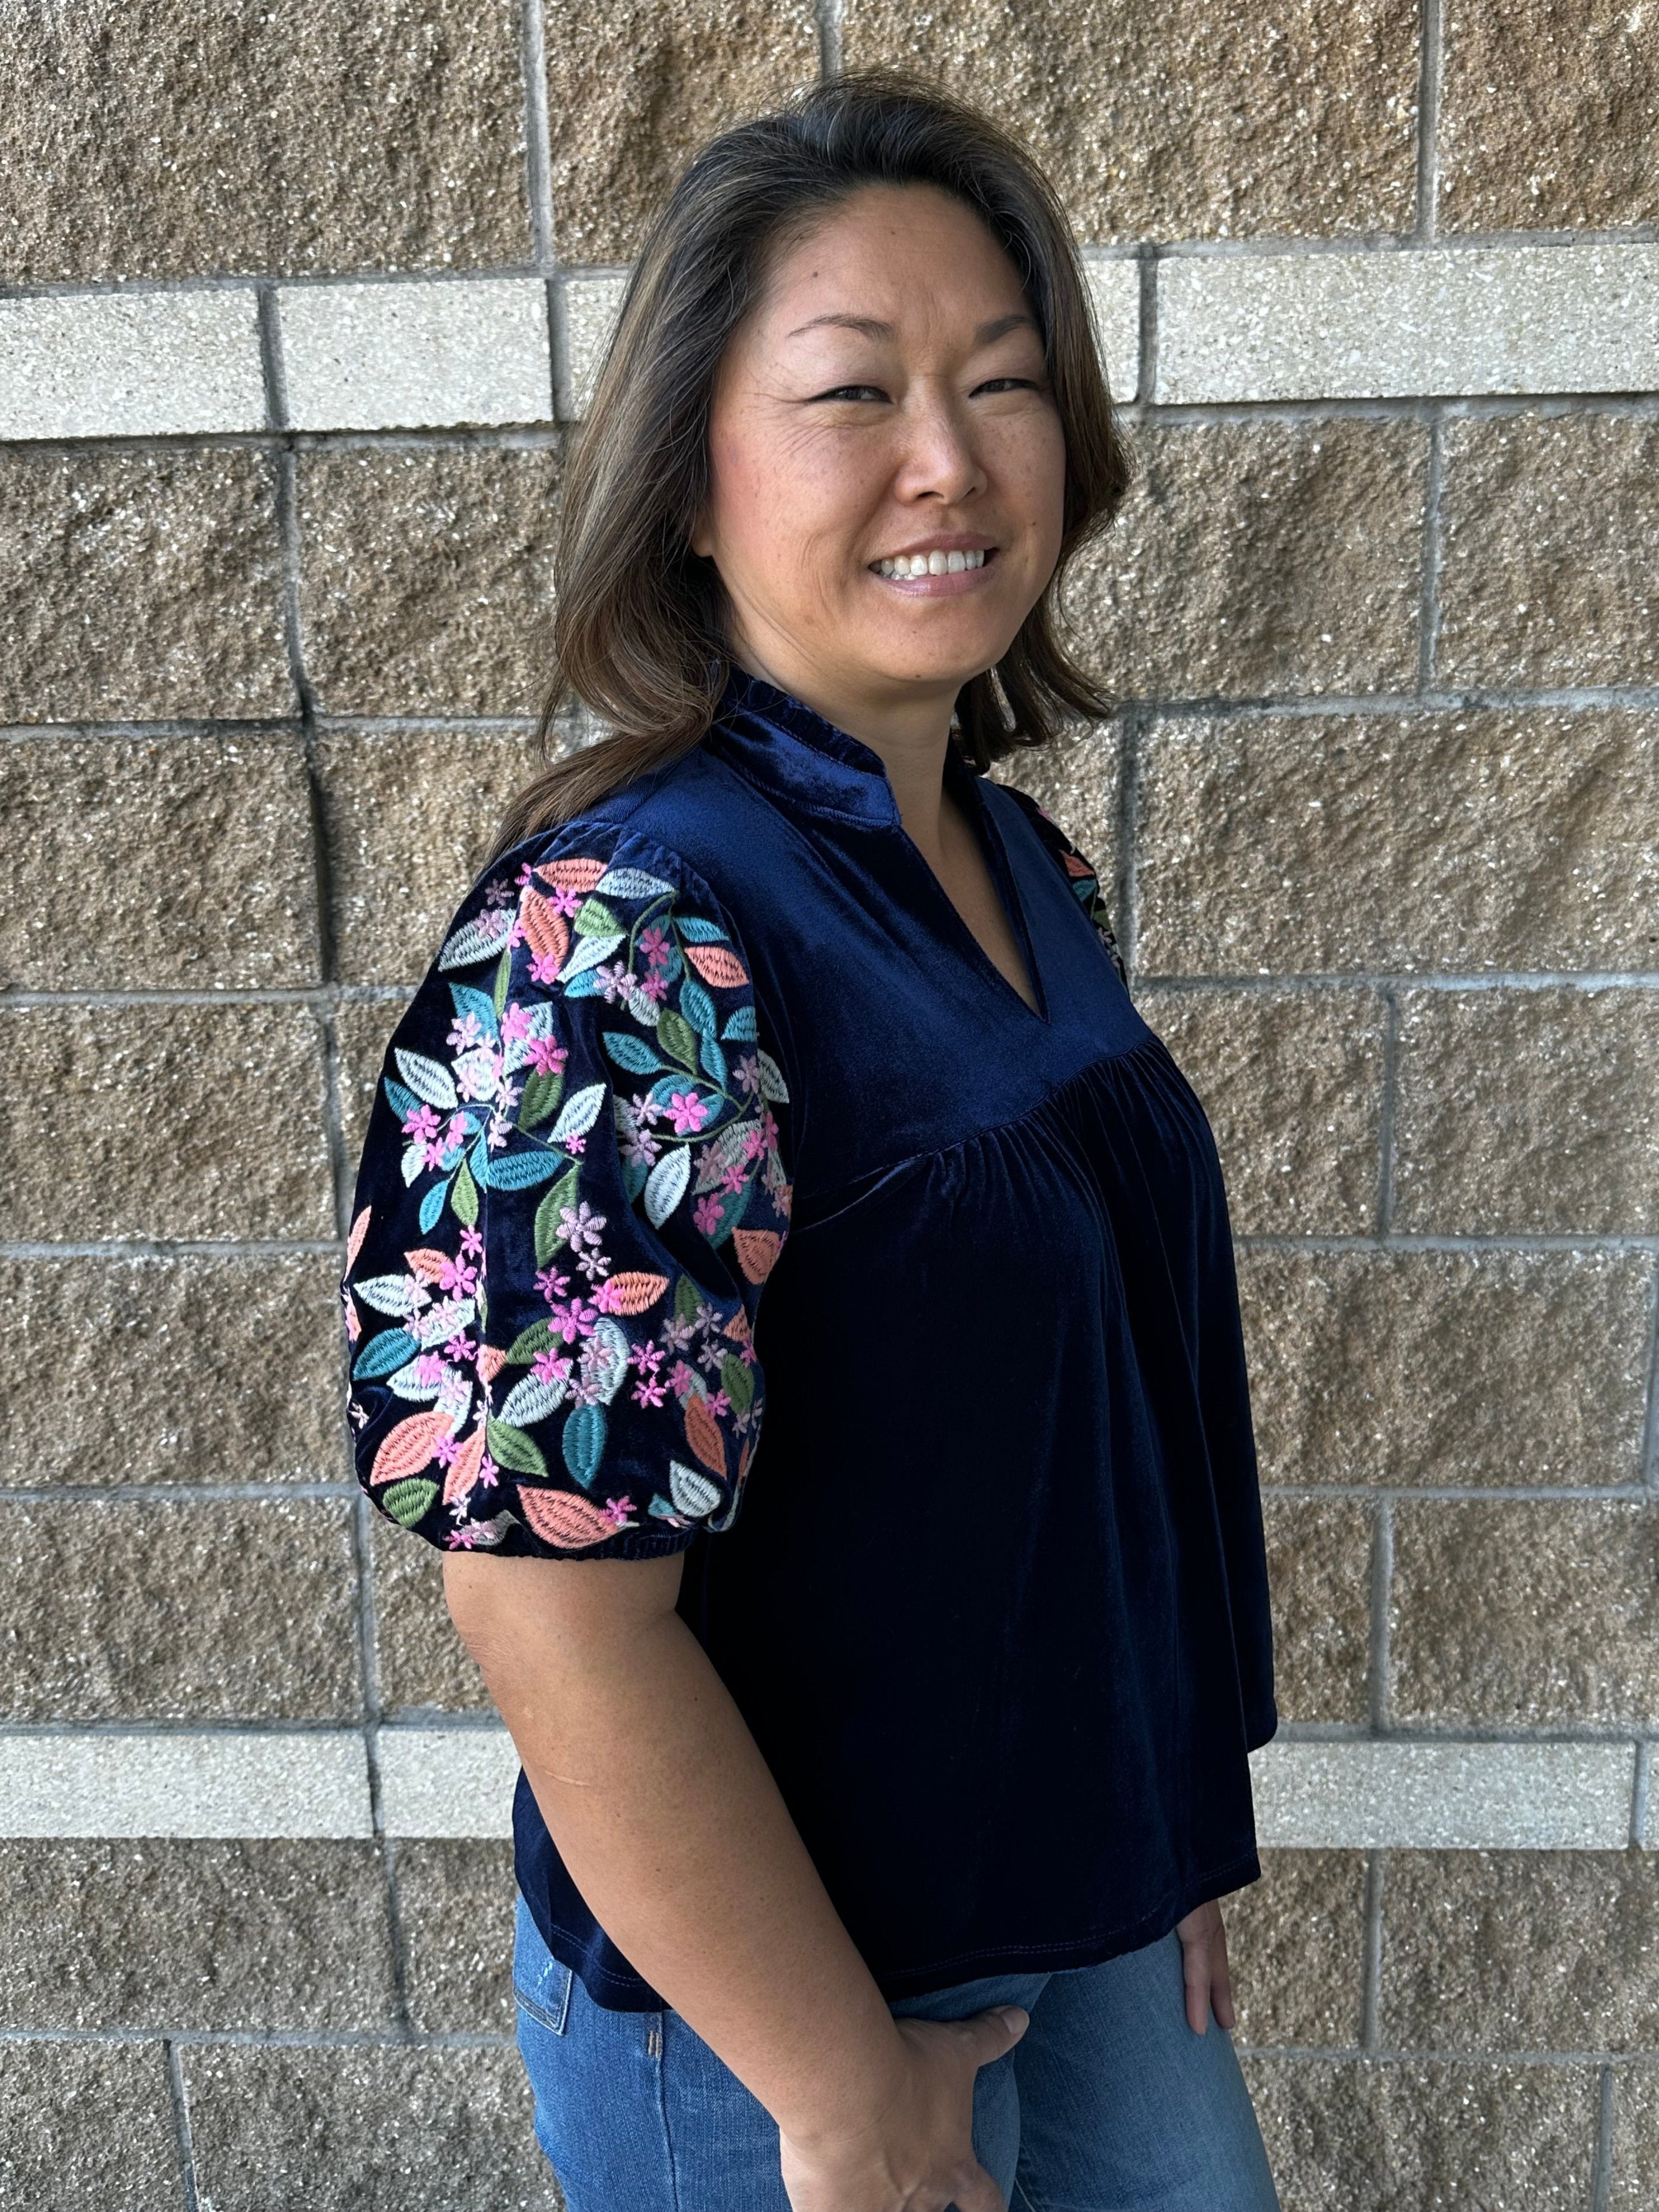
x=1221, y=1982
x=1204, y=1967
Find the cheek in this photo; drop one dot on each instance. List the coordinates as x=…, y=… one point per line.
x=1031, y=468
x=788, y=503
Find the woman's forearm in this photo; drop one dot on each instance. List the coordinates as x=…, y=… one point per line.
x=674, y=1831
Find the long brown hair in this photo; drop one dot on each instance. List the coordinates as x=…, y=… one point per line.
x=639, y=633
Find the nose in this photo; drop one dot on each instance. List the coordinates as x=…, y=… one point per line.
x=939, y=460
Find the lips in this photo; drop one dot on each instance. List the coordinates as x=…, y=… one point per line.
x=937, y=561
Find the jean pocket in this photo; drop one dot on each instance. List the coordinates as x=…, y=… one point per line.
x=541, y=1983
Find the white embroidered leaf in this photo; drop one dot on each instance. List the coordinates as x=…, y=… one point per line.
x=606, y=1354
x=581, y=1110
x=414, y=1161
x=450, y=1317
x=455, y=1398
x=476, y=1072
x=588, y=953
x=541, y=1025
x=632, y=883
x=773, y=1085
x=532, y=1400
x=481, y=938
x=727, y=1148
x=389, y=1294
x=665, y=1185
x=407, y=1384
x=693, y=1494
x=427, y=1079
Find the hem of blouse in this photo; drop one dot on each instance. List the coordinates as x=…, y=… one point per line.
x=874, y=1178
x=1078, y=1951
x=635, y=1994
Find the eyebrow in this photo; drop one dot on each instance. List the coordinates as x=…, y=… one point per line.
x=986, y=334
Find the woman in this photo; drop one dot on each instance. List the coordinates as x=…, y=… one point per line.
x=875, y=1803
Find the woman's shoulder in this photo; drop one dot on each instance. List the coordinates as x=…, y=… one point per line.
x=1079, y=869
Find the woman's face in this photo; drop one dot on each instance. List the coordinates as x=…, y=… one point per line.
x=885, y=404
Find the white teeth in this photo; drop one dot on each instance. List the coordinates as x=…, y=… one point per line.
x=904, y=565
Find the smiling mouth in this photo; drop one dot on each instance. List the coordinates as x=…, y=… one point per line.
x=902, y=567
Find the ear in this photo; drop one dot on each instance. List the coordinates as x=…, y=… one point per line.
x=702, y=537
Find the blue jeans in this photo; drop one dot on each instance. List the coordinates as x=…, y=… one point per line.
x=1108, y=2101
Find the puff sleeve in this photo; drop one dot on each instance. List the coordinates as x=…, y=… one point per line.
x=571, y=1192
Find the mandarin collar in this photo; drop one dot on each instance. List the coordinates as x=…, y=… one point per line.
x=795, y=753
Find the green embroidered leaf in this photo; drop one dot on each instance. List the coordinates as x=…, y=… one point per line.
x=510, y=1448
x=549, y=1233
x=738, y=1380
x=503, y=976
x=538, y=1337
x=541, y=1097
x=595, y=919
x=463, y=1197
x=687, y=1298
x=409, y=1501
x=676, y=1037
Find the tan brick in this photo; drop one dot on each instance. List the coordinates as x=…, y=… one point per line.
x=1259, y=557
x=1401, y=2136
x=1295, y=1943
x=306, y=135
x=1406, y=1367
x=1293, y=845
x=1172, y=121
x=87, y=2126
x=1291, y=1082
x=422, y=1662
x=634, y=90
x=410, y=816
x=139, y=584
x=203, y=1611
x=1076, y=778
x=98, y=898
x=426, y=577
x=364, y=2130
x=157, y=1120
x=362, y=1030
x=1635, y=2138
x=166, y=1934
x=1550, y=551
x=455, y=1908
x=1521, y=1951
x=1519, y=1612
x=1319, y=1570
x=1548, y=115
x=194, y=1369
x=1527, y=1111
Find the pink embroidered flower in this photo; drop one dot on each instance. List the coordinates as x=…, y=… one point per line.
x=573, y=1320
x=550, y=1367
x=707, y=1214
x=460, y=1349
x=640, y=1149
x=580, y=1225
x=471, y=1244
x=687, y=1111
x=543, y=968
x=747, y=1073
x=645, y=1356
x=458, y=1276
x=547, y=1056
x=551, y=1283
x=527, y=876
x=565, y=902
x=608, y=1297
x=428, y=1370
x=499, y=892
x=515, y=1024
x=422, y=1124
x=488, y=1472
x=746, y=1354
x=447, y=1451
x=654, y=988
x=617, y=1508
x=653, y=943
x=682, y=1380
x=464, y=1031
x=648, y=1391
x=469, y=1536
x=718, y=1402
x=615, y=982
x=576, y=1146
x=433, y=1155
x=644, y=1110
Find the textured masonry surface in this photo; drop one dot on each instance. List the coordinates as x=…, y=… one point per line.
x=298, y=310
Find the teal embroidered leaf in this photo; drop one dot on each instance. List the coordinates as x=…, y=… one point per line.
x=427, y=1079
x=740, y=1025
x=699, y=931
x=409, y=1501
x=403, y=1103
x=388, y=1349
x=478, y=1003
x=432, y=1206
x=631, y=1052
x=523, y=1170
x=584, y=1443
x=697, y=1007
x=713, y=1059
x=549, y=1234
x=510, y=1448
x=665, y=1186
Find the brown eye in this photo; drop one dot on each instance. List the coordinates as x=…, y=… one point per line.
x=852, y=392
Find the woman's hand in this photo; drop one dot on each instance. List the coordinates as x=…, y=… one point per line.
x=1204, y=1966
x=917, y=2154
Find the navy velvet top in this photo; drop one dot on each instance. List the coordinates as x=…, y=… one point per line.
x=713, y=1109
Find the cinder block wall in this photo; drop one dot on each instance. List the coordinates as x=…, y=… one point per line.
x=298, y=304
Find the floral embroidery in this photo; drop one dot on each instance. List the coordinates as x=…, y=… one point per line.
x=1082, y=876
x=562, y=1278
